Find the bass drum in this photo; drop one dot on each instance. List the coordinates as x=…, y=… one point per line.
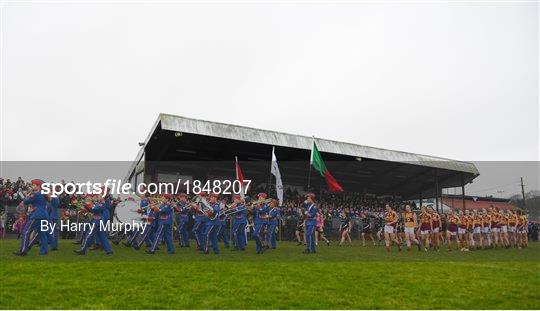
x=126, y=212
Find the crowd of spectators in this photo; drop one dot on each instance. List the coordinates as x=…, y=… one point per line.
x=12, y=192
x=11, y=208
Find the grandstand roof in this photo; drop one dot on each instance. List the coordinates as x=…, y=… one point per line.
x=229, y=131
x=206, y=140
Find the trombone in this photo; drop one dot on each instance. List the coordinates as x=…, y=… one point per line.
x=249, y=206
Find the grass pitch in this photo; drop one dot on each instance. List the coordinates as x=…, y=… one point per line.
x=335, y=278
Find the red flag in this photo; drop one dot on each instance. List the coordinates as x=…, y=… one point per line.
x=318, y=164
x=240, y=177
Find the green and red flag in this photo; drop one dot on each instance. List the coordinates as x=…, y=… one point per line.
x=318, y=163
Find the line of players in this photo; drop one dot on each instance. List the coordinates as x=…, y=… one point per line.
x=469, y=230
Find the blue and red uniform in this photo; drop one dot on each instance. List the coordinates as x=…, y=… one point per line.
x=222, y=230
x=164, y=229
x=97, y=230
x=261, y=222
x=273, y=222
x=199, y=227
x=54, y=206
x=239, y=222
x=147, y=236
x=212, y=227
x=182, y=220
x=37, y=217
x=311, y=223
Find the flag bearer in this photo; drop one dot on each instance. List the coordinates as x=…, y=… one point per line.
x=311, y=222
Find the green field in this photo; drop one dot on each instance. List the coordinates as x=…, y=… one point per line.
x=335, y=278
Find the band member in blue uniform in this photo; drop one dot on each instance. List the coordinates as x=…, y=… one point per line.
x=164, y=231
x=145, y=201
x=212, y=225
x=223, y=233
x=273, y=222
x=97, y=229
x=260, y=215
x=239, y=222
x=311, y=222
x=106, y=201
x=150, y=217
x=54, y=216
x=142, y=210
x=104, y=198
x=84, y=217
x=182, y=219
x=199, y=225
x=38, y=213
x=132, y=235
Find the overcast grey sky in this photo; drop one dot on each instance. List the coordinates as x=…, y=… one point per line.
x=456, y=80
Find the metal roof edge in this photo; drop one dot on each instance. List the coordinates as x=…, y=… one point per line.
x=425, y=160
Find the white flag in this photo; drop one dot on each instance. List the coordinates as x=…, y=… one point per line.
x=275, y=171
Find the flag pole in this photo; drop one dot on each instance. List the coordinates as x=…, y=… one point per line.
x=270, y=175
x=309, y=178
x=310, y=164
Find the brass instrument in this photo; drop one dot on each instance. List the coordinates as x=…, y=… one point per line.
x=232, y=212
x=229, y=209
x=233, y=204
x=204, y=207
x=249, y=207
x=253, y=203
x=158, y=200
x=81, y=208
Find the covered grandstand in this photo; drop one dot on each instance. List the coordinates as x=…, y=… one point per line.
x=180, y=147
